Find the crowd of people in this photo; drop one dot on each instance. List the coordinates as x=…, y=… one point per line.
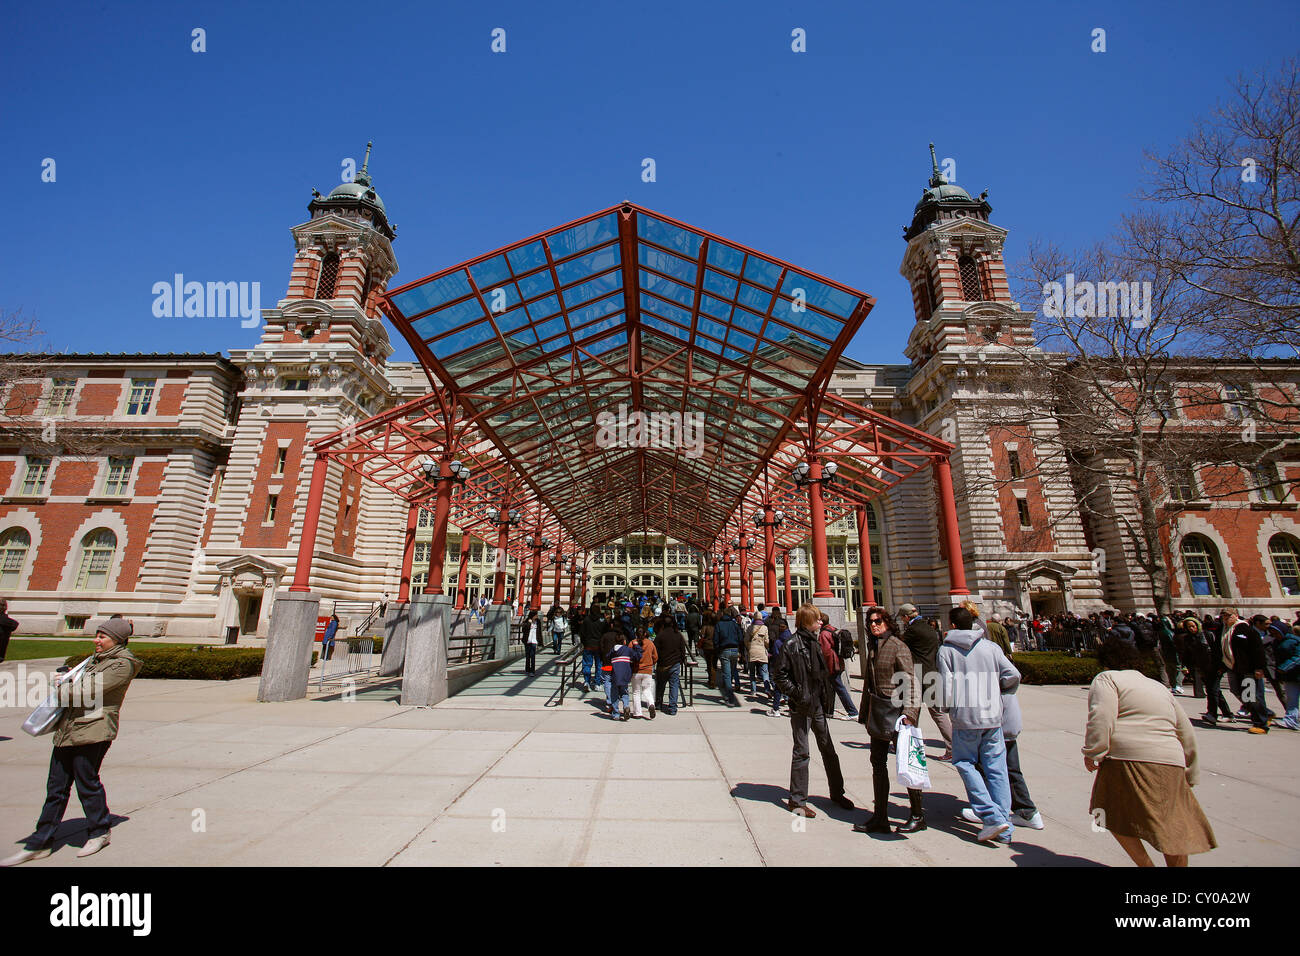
x=1138, y=739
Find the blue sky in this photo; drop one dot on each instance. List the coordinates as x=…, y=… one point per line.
x=173, y=161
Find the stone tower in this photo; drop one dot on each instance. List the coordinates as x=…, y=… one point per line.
x=1022, y=539
x=319, y=367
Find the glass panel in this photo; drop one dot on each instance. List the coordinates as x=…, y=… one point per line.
x=720, y=285
x=459, y=341
x=667, y=289
x=754, y=298
x=527, y=257
x=814, y=322
x=762, y=272
x=725, y=257
x=583, y=236
x=741, y=340
x=490, y=273
x=715, y=307
x=821, y=295
x=547, y=329
x=543, y=308
x=594, y=289
x=665, y=309
x=583, y=266
x=681, y=269
x=747, y=321
x=671, y=237
x=596, y=310
x=433, y=294
x=539, y=283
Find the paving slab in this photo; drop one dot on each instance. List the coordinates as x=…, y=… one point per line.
x=203, y=775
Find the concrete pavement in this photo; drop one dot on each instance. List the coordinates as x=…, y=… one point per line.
x=498, y=775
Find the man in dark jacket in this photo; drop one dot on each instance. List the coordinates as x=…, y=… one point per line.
x=7, y=626
x=923, y=641
x=694, y=620
x=672, y=656
x=592, y=627
x=727, y=639
x=803, y=678
x=1249, y=664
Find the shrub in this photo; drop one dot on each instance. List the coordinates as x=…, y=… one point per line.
x=354, y=643
x=201, y=662
x=1058, y=667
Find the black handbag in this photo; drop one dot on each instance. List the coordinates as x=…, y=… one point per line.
x=882, y=716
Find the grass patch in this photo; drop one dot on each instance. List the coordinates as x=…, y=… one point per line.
x=28, y=649
x=197, y=662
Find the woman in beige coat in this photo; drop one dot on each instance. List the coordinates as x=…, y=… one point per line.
x=757, y=645
x=1142, y=747
x=82, y=737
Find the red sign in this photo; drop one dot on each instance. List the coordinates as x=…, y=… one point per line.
x=321, y=622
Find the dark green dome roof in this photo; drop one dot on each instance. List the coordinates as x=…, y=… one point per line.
x=358, y=194
x=947, y=192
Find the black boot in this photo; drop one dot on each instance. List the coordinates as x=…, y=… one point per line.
x=878, y=822
x=916, y=821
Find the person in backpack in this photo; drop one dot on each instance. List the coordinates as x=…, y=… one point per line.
x=1286, y=652
x=829, y=645
x=804, y=679
x=593, y=626
x=727, y=640
x=759, y=644
x=778, y=633
x=923, y=641
x=622, y=659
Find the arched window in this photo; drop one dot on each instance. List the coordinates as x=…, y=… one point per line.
x=13, y=554
x=1286, y=562
x=925, y=302
x=837, y=587
x=683, y=582
x=871, y=519
x=971, y=288
x=97, y=549
x=329, y=276
x=1201, y=560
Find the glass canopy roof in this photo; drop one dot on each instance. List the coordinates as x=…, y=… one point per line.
x=636, y=372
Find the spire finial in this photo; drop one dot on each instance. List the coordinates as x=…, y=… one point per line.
x=366, y=162
x=936, y=177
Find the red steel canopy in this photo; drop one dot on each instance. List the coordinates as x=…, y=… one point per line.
x=546, y=355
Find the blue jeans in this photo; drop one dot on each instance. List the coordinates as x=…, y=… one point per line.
x=557, y=638
x=590, y=666
x=607, y=681
x=758, y=672
x=727, y=673
x=1292, y=704
x=618, y=692
x=68, y=765
x=845, y=698
x=974, y=751
x=672, y=680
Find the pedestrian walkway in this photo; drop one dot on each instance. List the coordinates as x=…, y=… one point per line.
x=204, y=775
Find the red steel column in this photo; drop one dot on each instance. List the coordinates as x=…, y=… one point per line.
x=408, y=554
x=821, y=569
x=789, y=600
x=558, y=568
x=462, y=576
x=864, y=558
x=769, y=556
x=726, y=581
x=310, y=523
x=952, y=538
x=441, y=512
x=746, y=593
x=499, y=584
x=536, y=601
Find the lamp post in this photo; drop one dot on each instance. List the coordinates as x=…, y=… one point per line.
x=726, y=587
x=444, y=474
x=504, y=521
x=814, y=474
x=769, y=521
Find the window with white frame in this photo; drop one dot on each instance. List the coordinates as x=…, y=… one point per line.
x=118, y=476
x=1268, y=485
x=1235, y=398
x=38, y=469
x=14, y=545
x=1286, y=562
x=1201, y=561
x=59, y=401
x=97, y=550
x=1182, y=483
x=140, y=399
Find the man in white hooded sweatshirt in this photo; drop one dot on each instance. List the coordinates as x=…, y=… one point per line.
x=974, y=674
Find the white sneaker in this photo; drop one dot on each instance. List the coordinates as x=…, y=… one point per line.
x=94, y=845
x=774, y=713
x=991, y=831
x=25, y=856
x=1178, y=691
x=1034, y=820
x=970, y=816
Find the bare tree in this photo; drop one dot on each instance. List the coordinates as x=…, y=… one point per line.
x=1233, y=198
x=1122, y=396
